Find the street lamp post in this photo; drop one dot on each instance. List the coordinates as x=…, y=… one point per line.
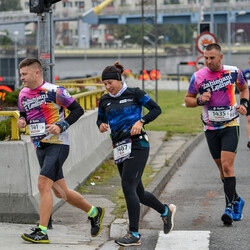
x=229, y=36
x=238, y=31
x=16, y=33
x=2, y=33
x=155, y=45
x=119, y=44
x=151, y=42
x=85, y=49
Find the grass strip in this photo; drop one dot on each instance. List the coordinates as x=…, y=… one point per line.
x=174, y=119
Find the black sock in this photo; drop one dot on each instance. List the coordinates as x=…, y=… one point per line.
x=229, y=189
x=236, y=196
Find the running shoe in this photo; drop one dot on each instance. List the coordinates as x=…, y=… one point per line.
x=168, y=220
x=36, y=236
x=96, y=222
x=248, y=144
x=129, y=240
x=227, y=216
x=237, y=209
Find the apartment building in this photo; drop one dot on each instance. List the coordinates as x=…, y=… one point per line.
x=78, y=34
x=67, y=32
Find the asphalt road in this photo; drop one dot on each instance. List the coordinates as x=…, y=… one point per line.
x=197, y=191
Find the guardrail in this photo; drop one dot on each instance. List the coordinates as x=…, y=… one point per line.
x=88, y=100
x=14, y=117
x=81, y=83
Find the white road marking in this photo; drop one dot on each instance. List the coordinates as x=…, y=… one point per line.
x=184, y=240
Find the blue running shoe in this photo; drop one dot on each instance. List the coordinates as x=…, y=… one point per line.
x=227, y=217
x=237, y=209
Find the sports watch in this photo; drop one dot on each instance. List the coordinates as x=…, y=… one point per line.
x=142, y=120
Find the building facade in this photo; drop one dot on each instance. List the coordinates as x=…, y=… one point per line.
x=77, y=34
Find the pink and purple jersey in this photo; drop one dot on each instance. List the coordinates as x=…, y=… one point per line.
x=45, y=105
x=220, y=111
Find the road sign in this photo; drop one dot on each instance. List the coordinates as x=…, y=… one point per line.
x=200, y=63
x=203, y=40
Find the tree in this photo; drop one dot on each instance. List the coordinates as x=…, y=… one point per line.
x=172, y=2
x=174, y=32
x=134, y=30
x=8, y=5
x=5, y=39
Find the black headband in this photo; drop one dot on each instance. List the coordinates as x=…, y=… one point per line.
x=111, y=75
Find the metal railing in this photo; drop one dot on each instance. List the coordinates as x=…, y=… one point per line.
x=79, y=84
x=88, y=100
x=14, y=117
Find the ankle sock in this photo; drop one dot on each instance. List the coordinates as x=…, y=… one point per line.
x=166, y=211
x=136, y=234
x=93, y=212
x=43, y=229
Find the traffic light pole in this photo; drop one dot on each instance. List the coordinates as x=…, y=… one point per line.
x=178, y=72
x=46, y=46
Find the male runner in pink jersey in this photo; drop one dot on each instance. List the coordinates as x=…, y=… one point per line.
x=215, y=85
x=41, y=105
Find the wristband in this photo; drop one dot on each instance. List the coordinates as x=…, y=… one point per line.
x=21, y=117
x=244, y=102
x=200, y=102
x=142, y=121
x=63, y=125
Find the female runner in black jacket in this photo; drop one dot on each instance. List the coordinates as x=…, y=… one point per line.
x=121, y=110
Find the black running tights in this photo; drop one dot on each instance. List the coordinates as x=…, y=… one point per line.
x=131, y=171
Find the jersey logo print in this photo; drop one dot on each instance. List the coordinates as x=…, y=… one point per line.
x=35, y=102
x=66, y=93
x=125, y=100
x=220, y=84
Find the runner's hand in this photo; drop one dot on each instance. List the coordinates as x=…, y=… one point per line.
x=136, y=129
x=103, y=127
x=53, y=129
x=21, y=123
x=241, y=109
x=206, y=96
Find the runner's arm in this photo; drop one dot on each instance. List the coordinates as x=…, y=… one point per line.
x=244, y=92
x=191, y=100
x=23, y=115
x=101, y=118
x=76, y=112
x=154, y=111
x=21, y=122
x=244, y=97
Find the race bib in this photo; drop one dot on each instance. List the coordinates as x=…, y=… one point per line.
x=122, y=150
x=219, y=114
x=37, y=129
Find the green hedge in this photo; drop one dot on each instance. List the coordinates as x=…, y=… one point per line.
x=11, y=98
x=5, y=129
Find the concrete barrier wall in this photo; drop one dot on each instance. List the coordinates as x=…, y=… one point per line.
x=19, y=196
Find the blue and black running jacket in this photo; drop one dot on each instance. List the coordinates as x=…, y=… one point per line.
x=122, y=112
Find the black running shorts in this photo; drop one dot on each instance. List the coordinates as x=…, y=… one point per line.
x=225, y=139
x=51, y=158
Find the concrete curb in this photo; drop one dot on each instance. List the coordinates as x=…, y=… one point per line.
x=159, y=182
